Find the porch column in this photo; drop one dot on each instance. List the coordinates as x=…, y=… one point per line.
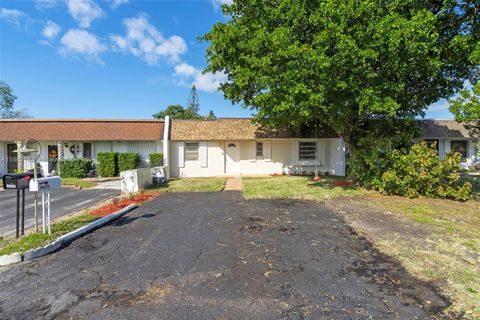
x=60, y=150
x=60, y=155
x=20, y=160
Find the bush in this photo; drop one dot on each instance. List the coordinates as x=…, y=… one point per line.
x=422, y=172
x=75, y=168
x=107, y=165
x=156, y=159
x=128, y=161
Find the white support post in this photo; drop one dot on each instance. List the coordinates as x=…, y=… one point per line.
x=43, y=211
x=49, y=219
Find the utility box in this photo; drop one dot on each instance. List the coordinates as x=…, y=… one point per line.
x=47, y=183
x=17, y=180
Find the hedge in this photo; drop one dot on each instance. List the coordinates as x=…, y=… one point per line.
x=128, y=161
x=156, y=159
x=107, y=165
x=74, y=168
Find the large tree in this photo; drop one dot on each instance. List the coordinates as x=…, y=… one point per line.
x=466, y=106
x=175, y=111
x=7, y=99
x=193, y=103
x=348, y=64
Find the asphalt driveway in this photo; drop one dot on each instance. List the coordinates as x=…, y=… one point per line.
x=63, y=201
x=217, y=256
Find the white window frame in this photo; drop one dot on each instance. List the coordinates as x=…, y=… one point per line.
x=307, y=160
x=195, y=150
x=257, y=145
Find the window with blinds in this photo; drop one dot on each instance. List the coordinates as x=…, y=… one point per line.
x=307, y=150
x=191, y=151
x=259, y=149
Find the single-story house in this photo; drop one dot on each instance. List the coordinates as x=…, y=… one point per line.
x=72, y=138
x=237, y=146
x=450, y=135
x=204, y=148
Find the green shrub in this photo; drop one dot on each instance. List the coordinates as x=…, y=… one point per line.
x=74, y=168
x=107, y=164
x=422, y=172
x=156, y=159
x=128, y=161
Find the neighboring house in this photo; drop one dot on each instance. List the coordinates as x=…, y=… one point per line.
x=450, y=135
x=204, y=148
x=69, y=139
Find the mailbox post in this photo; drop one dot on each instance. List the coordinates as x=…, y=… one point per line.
x=18, y=181
x=44, y=185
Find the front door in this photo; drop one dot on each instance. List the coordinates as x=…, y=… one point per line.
x=52, y=158
x=12, y=164
x=232, y=158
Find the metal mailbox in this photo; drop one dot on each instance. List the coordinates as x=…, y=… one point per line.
x=17, y=180
x=47, y=183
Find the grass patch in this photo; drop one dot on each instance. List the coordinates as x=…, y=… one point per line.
x=448, y=253
x=191, y=185
x=77, y=182
x=297, y=187
x=35, y=240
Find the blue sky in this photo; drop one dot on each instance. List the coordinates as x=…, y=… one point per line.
x=112, y=58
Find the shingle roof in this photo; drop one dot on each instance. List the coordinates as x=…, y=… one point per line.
x=446, y=129
x=81, y=130
x=236, y=129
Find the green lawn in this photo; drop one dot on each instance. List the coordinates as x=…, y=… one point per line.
x=297, y=187
x=84, y=184
x=191, y=185
x=35, y=240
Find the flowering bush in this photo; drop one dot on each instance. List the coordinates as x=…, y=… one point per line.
x=422, y=172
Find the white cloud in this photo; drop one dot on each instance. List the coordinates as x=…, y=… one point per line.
x=14, y=16
x=208, y=82
x=78, y=42
x=439, y=106
x=117, y=3
x=84, y=11
x=143, y=40
x=45, y=4
x=218, y=3
x=51, y=30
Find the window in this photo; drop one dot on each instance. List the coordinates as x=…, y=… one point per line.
x=259, y=149
x=307, y=150
x=87, y=150
x=191, y=151
x=461, y=147
x=432, y=144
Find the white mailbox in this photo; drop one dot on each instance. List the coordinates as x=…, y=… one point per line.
x=45, y=183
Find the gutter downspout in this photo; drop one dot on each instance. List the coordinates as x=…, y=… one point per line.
x=166, y=147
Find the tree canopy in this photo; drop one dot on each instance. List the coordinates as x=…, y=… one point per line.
x=7, y=100
x=176, y=111
x=344, y=63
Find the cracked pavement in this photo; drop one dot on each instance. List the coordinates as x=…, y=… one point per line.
x=218, y=256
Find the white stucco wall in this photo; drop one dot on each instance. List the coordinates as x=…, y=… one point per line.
x=283, y=159
x=143, y=148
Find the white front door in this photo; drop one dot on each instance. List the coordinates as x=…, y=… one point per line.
x=232, y=152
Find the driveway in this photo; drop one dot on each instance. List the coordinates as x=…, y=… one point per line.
x=63, y=201
x=217, y=256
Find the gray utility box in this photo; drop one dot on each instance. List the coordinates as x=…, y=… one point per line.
x=17, y=180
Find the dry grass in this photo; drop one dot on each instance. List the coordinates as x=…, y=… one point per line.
x=448, y=250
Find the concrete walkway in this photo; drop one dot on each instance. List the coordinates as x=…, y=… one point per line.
x=234, y=183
